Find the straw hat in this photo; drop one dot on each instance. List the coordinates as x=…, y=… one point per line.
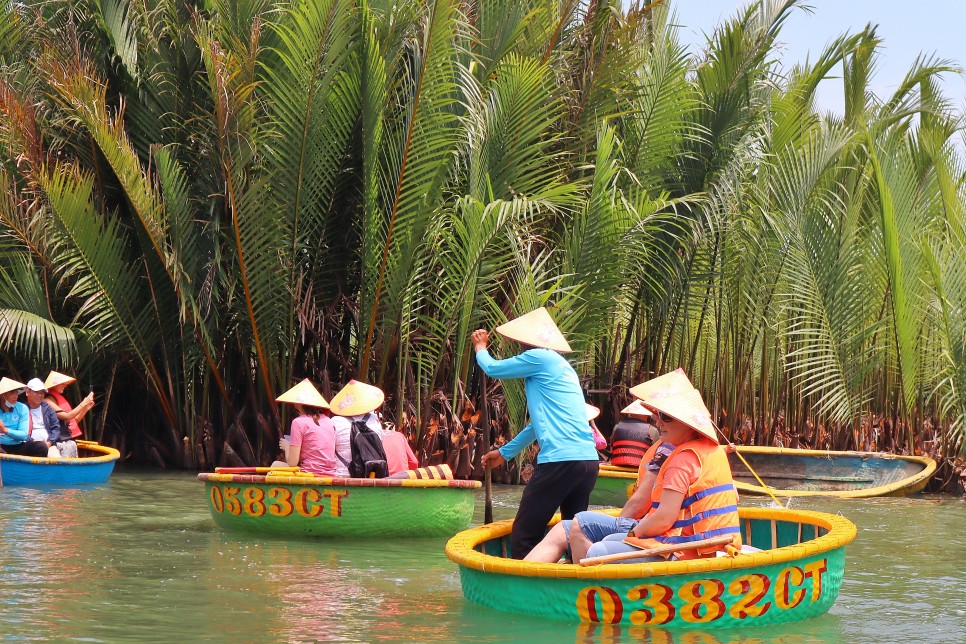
x=592, y=412
x=9, y=384
x=637, y=410
x=537, y=329
x=357, y=398
x=55, y=378
x=668, y=384
x=304, y=393
x=687, y=406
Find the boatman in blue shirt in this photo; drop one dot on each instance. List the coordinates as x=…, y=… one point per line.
x=566, y=468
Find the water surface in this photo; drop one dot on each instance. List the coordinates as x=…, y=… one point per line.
x=139, y=559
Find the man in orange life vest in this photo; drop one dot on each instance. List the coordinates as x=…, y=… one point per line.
x=691, y=497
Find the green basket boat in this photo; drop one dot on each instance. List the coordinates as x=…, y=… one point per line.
x=849, y=475
x=612, y=487
x=796, y=576
x=293, y=505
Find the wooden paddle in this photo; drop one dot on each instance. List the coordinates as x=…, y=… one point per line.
x=488, y=475
x=750, y=468
x=720, y=540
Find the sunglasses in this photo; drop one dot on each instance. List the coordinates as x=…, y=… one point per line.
x=664, y=417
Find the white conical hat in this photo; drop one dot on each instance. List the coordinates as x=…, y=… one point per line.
x=673, y=395
x=304, y=393
x=55, y=378
x=537, y=329
x=9, y=384
x=592, y=412
x=357, y=398
x=636, y=409
x=668, y=384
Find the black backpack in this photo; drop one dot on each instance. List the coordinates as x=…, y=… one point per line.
x=368, y=454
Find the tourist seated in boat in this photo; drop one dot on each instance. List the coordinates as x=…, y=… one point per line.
x=567, y=464
x=55, y=384
x=15, y=422
x=597, y=525
x=631, y=436
x=690, y=498
x=44, y=424
x=399, y=454
x=311, y=444
x=366, y=452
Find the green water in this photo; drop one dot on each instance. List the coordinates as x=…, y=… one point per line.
x=139, y=559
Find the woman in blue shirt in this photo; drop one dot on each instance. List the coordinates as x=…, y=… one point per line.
x=15, y=422
x=567, y=464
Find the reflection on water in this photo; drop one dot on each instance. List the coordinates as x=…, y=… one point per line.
x=139, y=559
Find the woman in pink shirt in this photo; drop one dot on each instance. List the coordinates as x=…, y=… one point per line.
x=311, y=445
x=399, y=454
x=55, y=384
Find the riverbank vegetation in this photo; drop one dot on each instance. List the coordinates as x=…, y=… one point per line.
x=204, y=201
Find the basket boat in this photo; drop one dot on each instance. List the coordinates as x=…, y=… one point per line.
x=94, y=464
x=613, y=483
x=795, y=576
x=295, y=504
x=801, y=472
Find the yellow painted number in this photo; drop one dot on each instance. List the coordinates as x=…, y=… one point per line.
x=283, y=498
x=254, y=501
x=702, y=601
x=610, y=611
x=657, y=598
x=232, y=504
x=750, y=589
x=217, y=500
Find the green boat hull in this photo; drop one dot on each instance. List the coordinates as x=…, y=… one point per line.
x=292, y=506
x=798, y=579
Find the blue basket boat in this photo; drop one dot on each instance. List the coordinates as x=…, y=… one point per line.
x=94, y=464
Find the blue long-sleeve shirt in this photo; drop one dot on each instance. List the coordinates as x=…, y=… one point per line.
x=558, y=415
x=17, y=422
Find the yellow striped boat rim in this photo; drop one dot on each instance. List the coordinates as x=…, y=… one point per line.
x=461, y=549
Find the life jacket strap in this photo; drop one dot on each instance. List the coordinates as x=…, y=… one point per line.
x=701, y=516
x=717, y=489
x=684, y=539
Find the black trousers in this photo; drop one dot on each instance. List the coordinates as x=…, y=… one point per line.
x=565, y=485
x=29, y=448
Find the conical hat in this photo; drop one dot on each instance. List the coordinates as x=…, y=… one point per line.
x=668, y=384
x=55, y=378
x=304, y=393
x=636, y=409
x=537, y=329
x=357, y=398
x=9, y=384
x=592, y=412
x=689, y=408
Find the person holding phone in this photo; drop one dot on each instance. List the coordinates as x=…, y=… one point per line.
x=311, y=444
x=55, y=384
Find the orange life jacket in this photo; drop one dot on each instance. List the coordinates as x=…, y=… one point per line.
x=710, y=507
x=75, y=429
x=647, y=458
